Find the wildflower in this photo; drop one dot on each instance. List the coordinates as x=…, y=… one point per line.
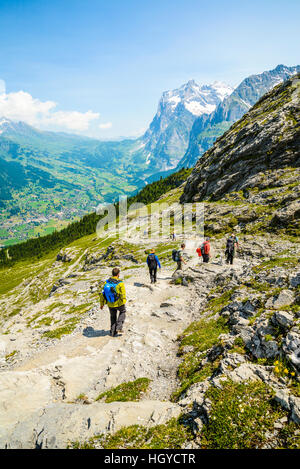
x=286, y=371
x=276, y=369
x=276, y=363
x=292, y=373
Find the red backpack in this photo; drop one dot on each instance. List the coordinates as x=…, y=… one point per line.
x=205, y=247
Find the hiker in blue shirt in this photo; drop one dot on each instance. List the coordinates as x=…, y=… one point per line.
x=153, y=262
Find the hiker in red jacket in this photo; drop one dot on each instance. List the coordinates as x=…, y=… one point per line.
x=204, y=250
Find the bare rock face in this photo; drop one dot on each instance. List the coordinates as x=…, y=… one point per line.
x=261, y=151
x=58, y=425
x=285, y=298
x=21, y=394
x=287, y=214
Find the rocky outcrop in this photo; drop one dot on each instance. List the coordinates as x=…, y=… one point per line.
x=249, y=180
x=95, y=260
x=63, y=257
x=206, y=129
x=253, y=151
x=262, y=345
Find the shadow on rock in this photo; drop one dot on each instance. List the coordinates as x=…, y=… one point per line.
x=91, y=332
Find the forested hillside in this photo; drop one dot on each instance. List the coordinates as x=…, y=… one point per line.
x=37, y=247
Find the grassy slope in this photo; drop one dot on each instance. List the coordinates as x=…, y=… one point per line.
x=43, y=176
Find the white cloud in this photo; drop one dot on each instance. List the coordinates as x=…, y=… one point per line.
x=73, y=120
x=108, y=125
x=22, y=106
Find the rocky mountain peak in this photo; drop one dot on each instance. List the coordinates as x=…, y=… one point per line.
x=196, y=99
x=206, y=129
x=260, y=152
x=166, y=140
x=9, y=127
x=5, y=125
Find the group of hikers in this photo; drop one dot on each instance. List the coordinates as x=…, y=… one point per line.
x=232, y=245
x=114, y=293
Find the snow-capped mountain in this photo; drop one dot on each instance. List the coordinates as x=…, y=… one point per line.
x=11, y=128
x=206, y=128
x=6, y=126
x=166, y=140
x=195, y=98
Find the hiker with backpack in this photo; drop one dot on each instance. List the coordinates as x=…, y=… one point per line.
x=231, y=245
x=204, y=250
x=178, y=256
x=114, y=295
x=237, y=241
x=153, y=263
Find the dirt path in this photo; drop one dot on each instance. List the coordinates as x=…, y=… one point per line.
x=88, y=361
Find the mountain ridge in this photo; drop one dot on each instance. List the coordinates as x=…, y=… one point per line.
x=166, y=138
x=256, y=162
x=48, y=178
x=206, y=129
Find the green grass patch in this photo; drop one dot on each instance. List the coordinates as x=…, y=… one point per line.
x=189, y=374
x=217, y=304
x=199, y=337
x=11, y=277
x=289, y=437
x=286, y=262
x=131, y=391
x=66, y=329
x=240, y=417
x=53, y=306
x=259, y=286
x=202, y=335
x=11, y=355
x=47, y=321
x=171, y=435
x=79, y=309
x=238, y=346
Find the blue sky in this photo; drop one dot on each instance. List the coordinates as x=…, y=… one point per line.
x=103, y=65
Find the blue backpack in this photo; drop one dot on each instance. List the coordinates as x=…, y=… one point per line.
x=110, y=292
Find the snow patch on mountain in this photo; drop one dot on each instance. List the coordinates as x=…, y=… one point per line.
x=5, y=124
x=198, y=109
x=196, y=99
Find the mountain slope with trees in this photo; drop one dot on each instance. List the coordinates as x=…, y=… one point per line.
x=40, y=246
